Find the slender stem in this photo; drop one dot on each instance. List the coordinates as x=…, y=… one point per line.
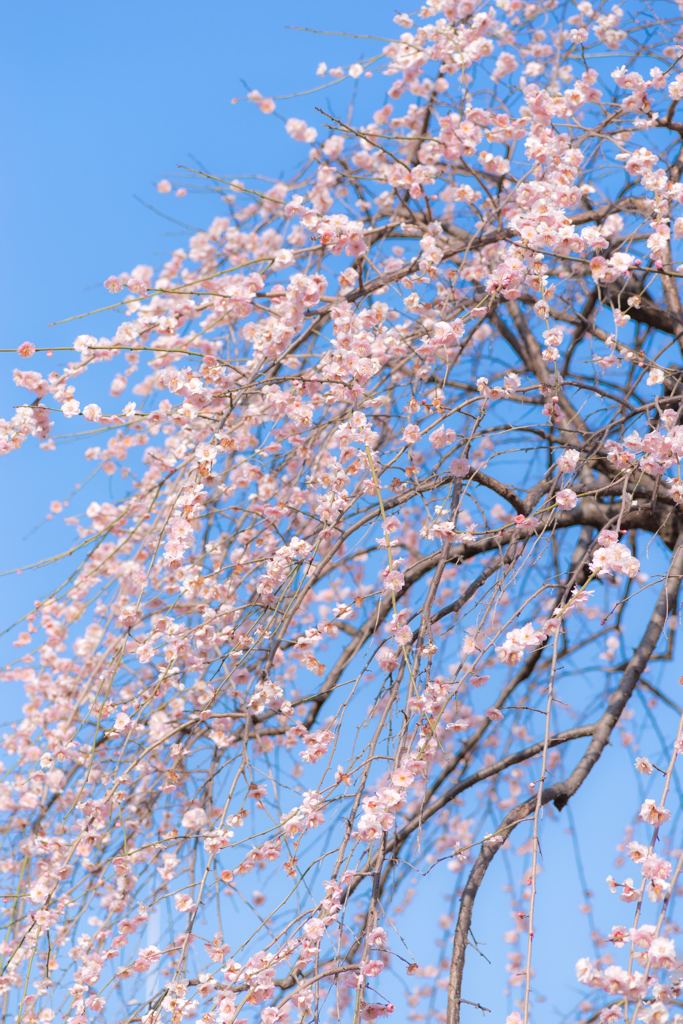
x=537, y=817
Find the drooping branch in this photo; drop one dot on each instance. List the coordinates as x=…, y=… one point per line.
x=561, y=792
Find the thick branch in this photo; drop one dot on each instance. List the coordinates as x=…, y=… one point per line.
x=562, y=791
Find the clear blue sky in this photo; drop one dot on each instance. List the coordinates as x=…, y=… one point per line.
x=99, y=101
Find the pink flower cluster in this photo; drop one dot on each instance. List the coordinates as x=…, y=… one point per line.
x=613, y=557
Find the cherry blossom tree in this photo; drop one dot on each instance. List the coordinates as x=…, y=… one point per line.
x=396, y=552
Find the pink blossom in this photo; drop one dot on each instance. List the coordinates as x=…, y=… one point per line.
x=568, y=460
x=653, y=814
x=656, y=1013
x=299, y=130
x=373, y=968
x=71, y=407
x=618, y=935
x=655, y=867
x=566, y=498
x=387, y=659
x=459, y=467
x=265, y=104
x=629, y=893
x=517, y=641
x=411, y=434
x=369, y=828
x=402, y=778
x=194, y=819
x=314, y=929
x=441, y=437
x=637, y=852
x=92, y=412
x=274, y=1014
x=403, y=635
x=114, y=284
x=614, y=558
x=663, y=954
x=393, y=579
x=183, y=903
x=372, y=1011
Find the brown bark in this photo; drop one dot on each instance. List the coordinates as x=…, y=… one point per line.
x=561, y=792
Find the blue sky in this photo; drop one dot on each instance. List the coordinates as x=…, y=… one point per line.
x=99, y=101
